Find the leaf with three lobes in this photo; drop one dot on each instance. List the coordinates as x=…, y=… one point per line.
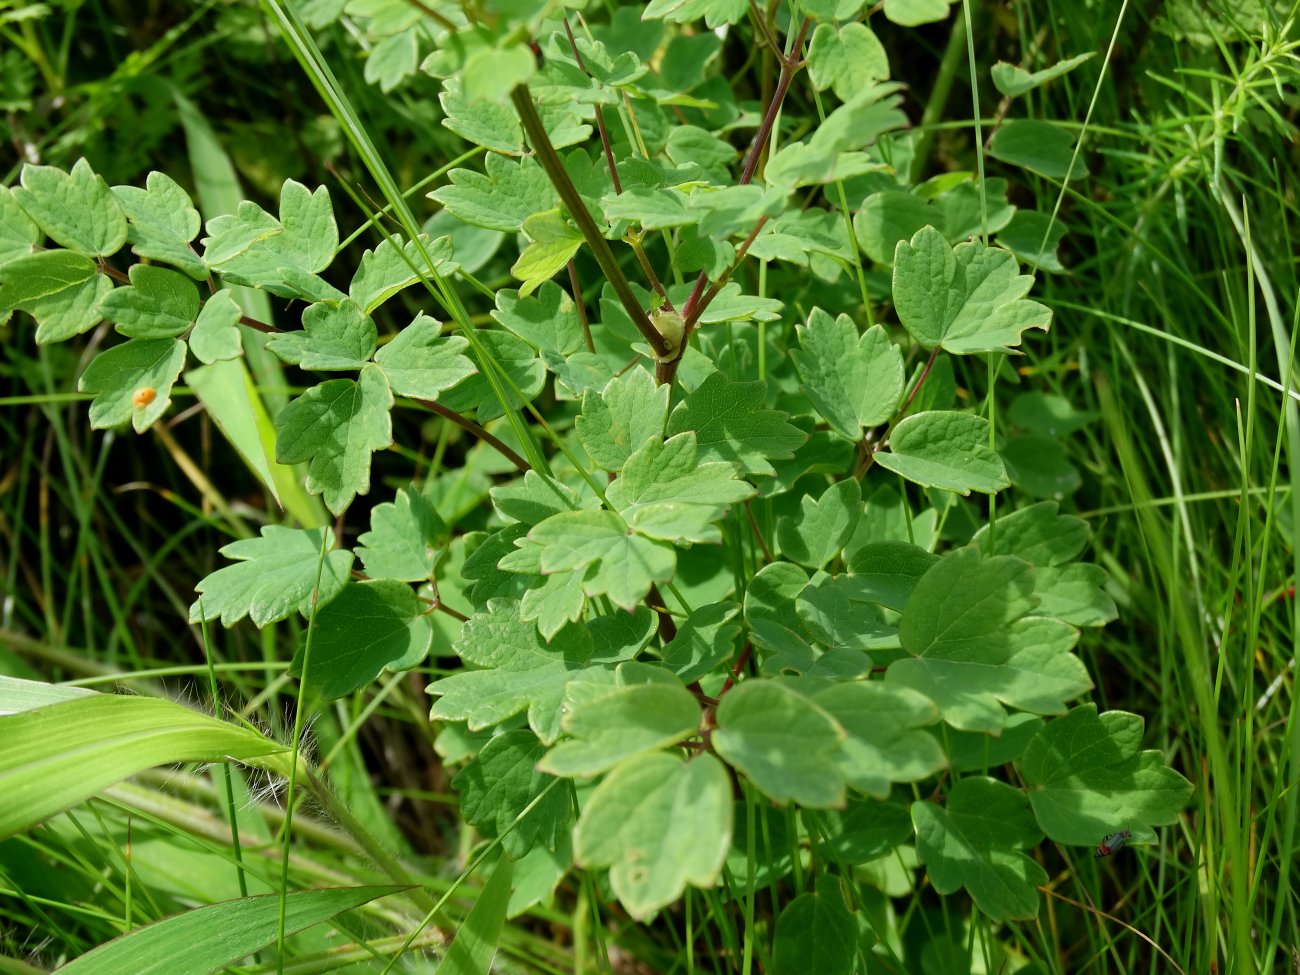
x=133, y=381
x=162, y=223
x=1088, y=777
x=19, y=233
x=273, y=577
x=855, y=381
x=335, y=336
x=420, y=363
x=616, y=421
x=393, y=266
x=501, y=198
x=158, y=304
x=76, y=210
x=966, y=299
x=60, y=289
x=664, y=493
x=521, y=672
x=975, y=842
x=824, y=525
x=548, y=321
x=536, y=497
x=786, y=744
x=659, y=824
x=620, y=564
x=215, y=335
x=704, y=640
x=974, y=649
x=254, y=248
x=335, y=427
x=846, y=57
x=885, y=742
x=494, y=127
x=815, y=932
x=404, y=538
x=369, y=627
x=731, y=423
x=524, y=375
x=620, y=724
x=498, y=785
x=945, y=449
x=554, y=241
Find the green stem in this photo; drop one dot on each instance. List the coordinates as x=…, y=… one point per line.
x=559, y=177
x=948, y=67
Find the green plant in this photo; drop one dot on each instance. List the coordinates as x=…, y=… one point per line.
x=730, y=556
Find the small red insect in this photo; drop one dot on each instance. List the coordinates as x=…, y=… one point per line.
x=143, y=396
x=1112, y=842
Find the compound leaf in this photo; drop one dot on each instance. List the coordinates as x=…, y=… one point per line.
x=664, y=493
x=334, y=336
x=618, y=725
x=502, y=781
x=824, y=525
x=404, y=538
x=420, y=363
x=158, y=304
x=162, y=223
x=815, y=932
x=215, y=335
x=519, y=670
x=502, y=198
x=731, y=424
x=616, y=561
x=616, y=421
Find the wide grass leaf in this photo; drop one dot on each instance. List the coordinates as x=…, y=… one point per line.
x=476, y=940
x=57, y=756
x=212, y=938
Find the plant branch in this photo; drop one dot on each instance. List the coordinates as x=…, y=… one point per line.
x=559, y=177
x=699, y=300
x=600, y=116
x=581, y=307
x=477, y=431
